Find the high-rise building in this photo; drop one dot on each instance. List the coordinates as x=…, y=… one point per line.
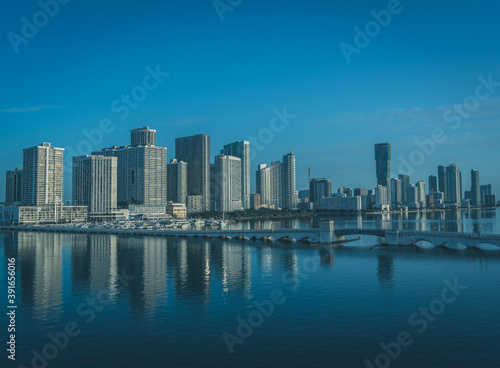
x=13, y=185
x=490, y=200
x=143, y=137
x=194, y=204
x=241, y=150
x=433, y=184
x=486, y=188
x=319, y=188
x=95, y=181
x=422, y=195
x=254, y=201
x=443, y=181
x=454, y=185
x=142, y=171
x=269, y=184
x=228, y=178
x=177, y=181
x=303, y=195
x=42, y=182
x=475, y=189
x=383, y=158
x=405, y=182
x=348, y=192
x=276, y=183
x=360, y=192
x=289, y=183
x=396, y=192
x=195, y=151
x=381, y=196
x=413, y=196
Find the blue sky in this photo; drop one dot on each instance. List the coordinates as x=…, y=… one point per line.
x=226, y=78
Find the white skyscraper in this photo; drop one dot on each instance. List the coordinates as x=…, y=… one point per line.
x=289, y=191
x=177, y=172
x=241, y=150
x=381, y=196
x=276, y=183
x=42, y=182
x=95, y=183
x=454, y=185
x=269, y=184
x=142, y=172
x=228, y=183
x=422, y=196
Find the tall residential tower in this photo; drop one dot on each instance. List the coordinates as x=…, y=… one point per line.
x=42, y=182
x=241, y=150
x=195, y=151
x=142, y=169
x=95, y=184
x=383, y=158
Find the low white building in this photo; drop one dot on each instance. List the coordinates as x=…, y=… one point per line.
x=41, y=215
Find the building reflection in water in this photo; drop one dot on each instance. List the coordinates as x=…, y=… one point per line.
x=40, y=264
x=155, y=272
x=265, y=260
x=385, y=271
x=80, y=263
x=236, y=268
x=103, y=263
x=94, y=263
x=192, y=270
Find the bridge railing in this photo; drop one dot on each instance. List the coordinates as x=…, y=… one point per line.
x=379, y=232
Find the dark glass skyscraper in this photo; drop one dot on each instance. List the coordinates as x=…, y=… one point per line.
x=13, y=185
x=195, y=151
x=443, y=181
x=475, y=189
x=405, y=182
x=433, y=186
x=319, y=188
x=383, y=158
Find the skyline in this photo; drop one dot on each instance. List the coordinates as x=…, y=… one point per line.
x=382, y=155
x=234, y=77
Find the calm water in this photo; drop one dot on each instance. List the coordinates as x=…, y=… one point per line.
x=168, y=302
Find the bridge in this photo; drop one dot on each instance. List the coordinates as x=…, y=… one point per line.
x=438, y=238
x=325, y=234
